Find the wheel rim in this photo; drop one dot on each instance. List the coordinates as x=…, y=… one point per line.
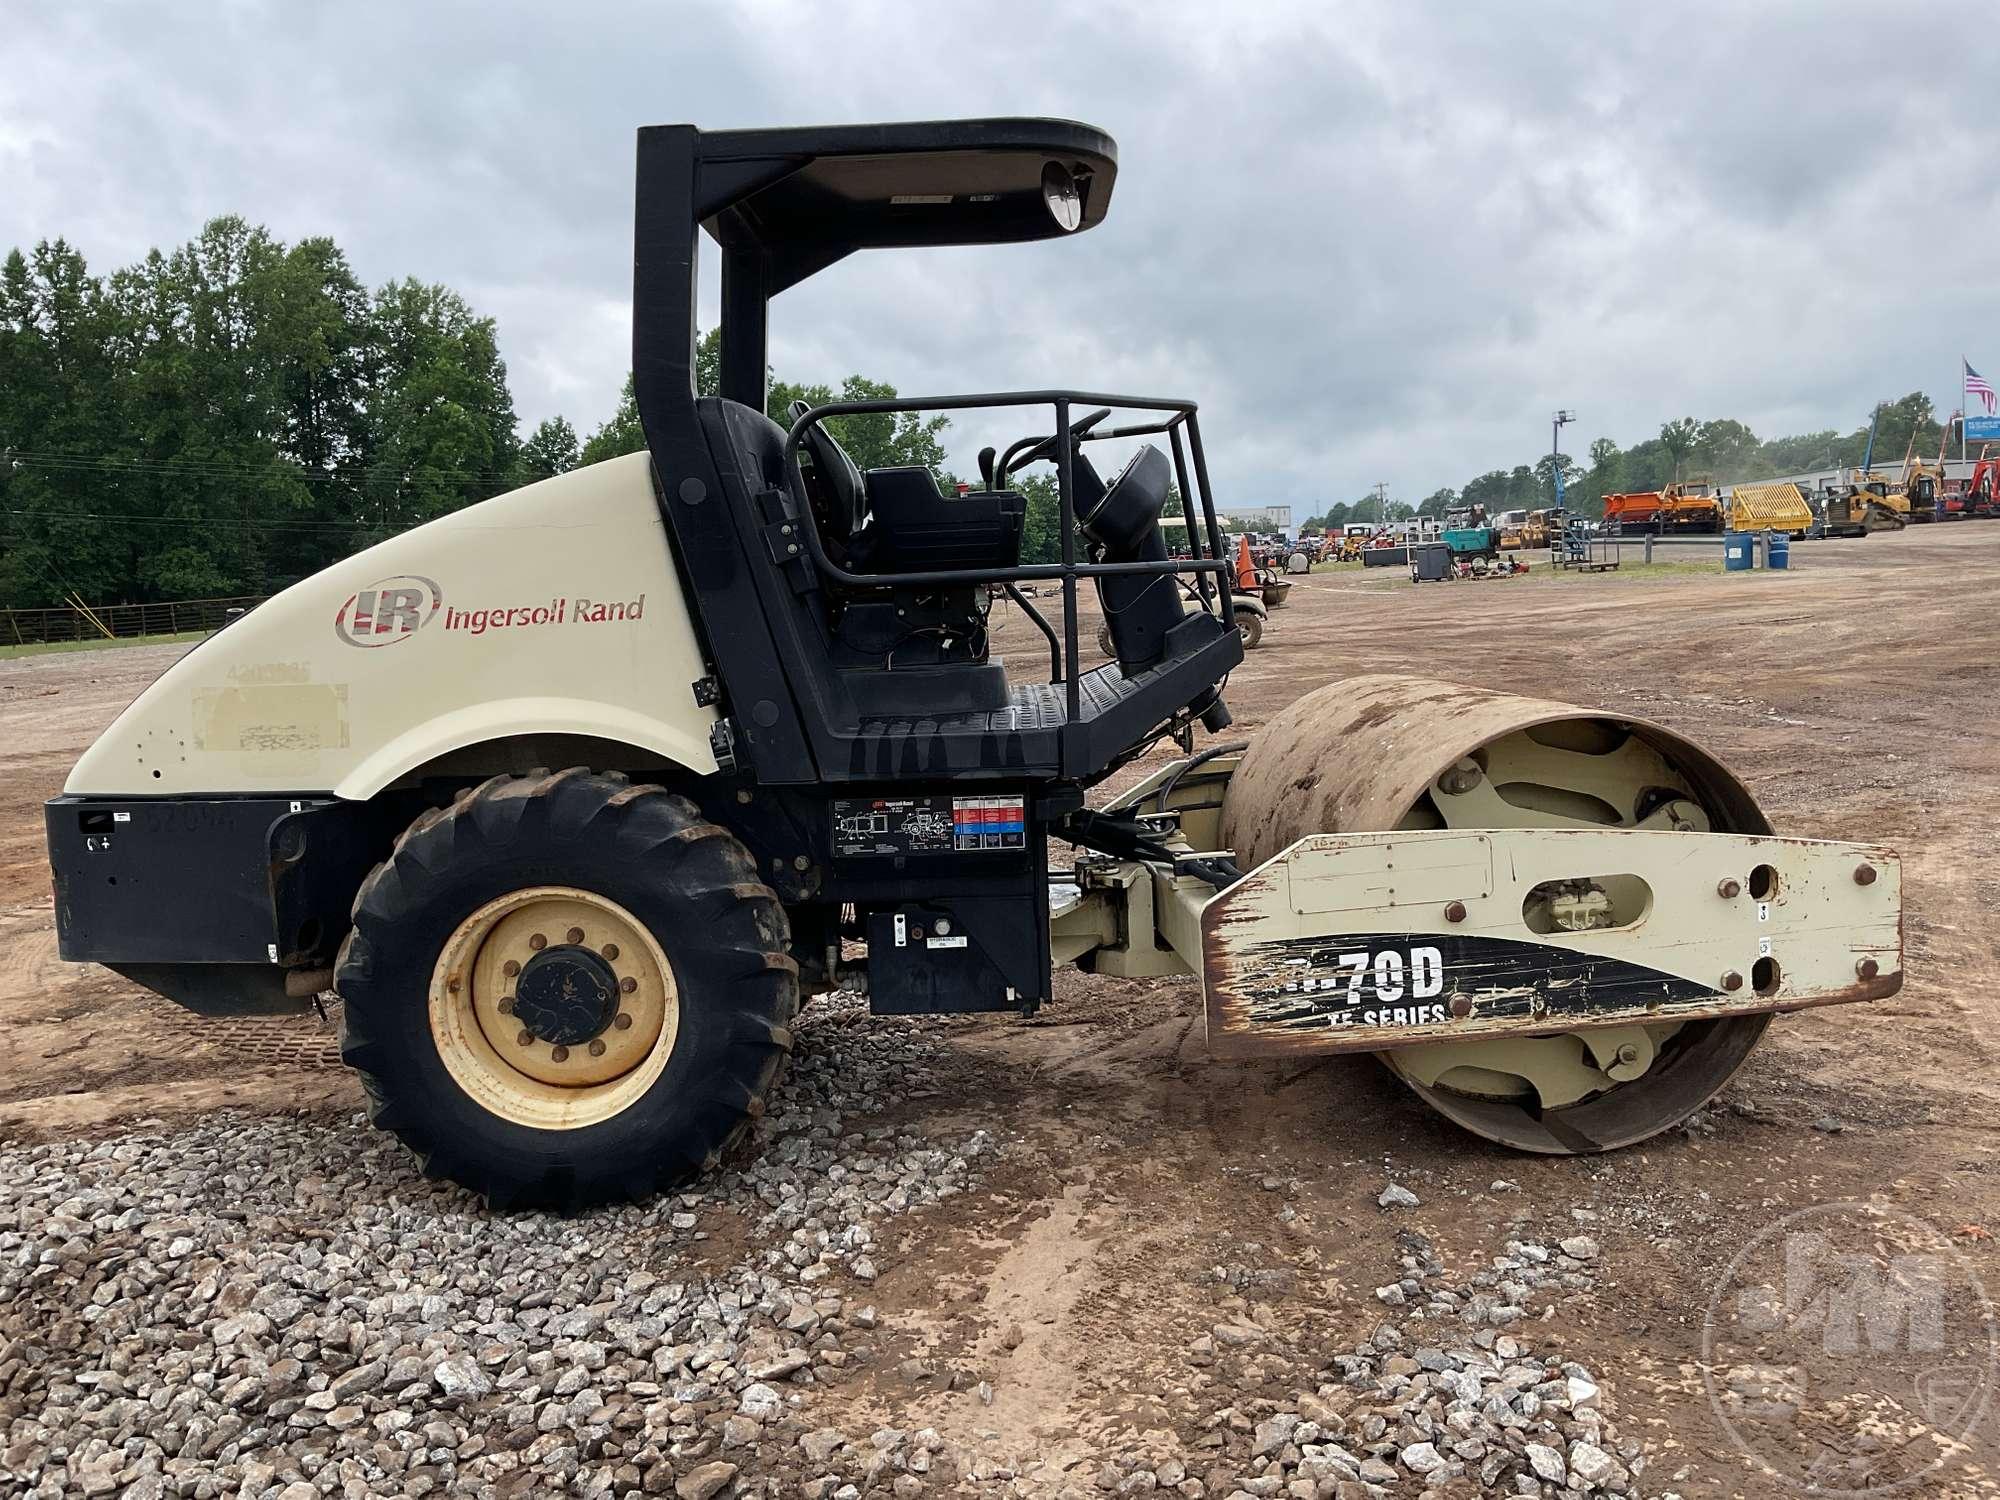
x=1535, y=1093
x=553, y=1007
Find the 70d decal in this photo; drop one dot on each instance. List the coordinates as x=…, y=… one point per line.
x=1411, y=982
x=1369, y=985
x=1384, y=976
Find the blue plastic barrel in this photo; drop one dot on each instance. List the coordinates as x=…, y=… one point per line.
x=1777, y=550
x=1736, y=552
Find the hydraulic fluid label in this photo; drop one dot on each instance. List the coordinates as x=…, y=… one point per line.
x=882, y=826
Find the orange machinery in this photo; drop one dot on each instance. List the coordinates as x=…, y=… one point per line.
x=1635, y=514
x=1691, y=506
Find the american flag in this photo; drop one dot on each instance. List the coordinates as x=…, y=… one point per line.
x=1976, y=384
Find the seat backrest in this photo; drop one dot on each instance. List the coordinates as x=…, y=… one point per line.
x=744, y=439
x=844, y=487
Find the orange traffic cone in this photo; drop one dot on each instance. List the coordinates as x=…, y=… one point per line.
x=1246, y=571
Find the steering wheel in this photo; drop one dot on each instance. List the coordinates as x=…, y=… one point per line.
x=1047, y=447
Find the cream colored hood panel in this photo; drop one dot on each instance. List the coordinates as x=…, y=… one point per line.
x=552, y=609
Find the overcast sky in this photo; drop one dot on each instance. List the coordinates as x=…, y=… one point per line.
x=1376, y=241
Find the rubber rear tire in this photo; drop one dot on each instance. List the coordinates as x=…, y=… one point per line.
x=689, y=884
x=1104, y=641
x=1250, y=627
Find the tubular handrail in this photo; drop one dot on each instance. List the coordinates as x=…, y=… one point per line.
x=1013, y=591
x=1069, y=570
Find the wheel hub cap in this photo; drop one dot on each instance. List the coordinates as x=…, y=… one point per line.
x=566, y=995
x=554, y=1007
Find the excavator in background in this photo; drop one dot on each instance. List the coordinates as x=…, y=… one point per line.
x=1980, y=499
x=1924, y=483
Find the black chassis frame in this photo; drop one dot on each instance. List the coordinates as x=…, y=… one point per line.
x=281, y=870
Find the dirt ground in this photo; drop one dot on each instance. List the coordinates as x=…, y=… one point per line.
x=1858, y=696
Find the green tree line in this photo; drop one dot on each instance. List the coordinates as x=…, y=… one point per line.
x=231, y=415
x=1722, y=450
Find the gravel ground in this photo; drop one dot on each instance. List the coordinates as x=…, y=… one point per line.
x=284, y=1306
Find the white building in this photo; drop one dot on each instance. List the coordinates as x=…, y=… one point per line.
x=1258, y=518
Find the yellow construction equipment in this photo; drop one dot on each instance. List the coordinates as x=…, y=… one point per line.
x=1769, y=507
x=1861, y=507
x=1887, y=493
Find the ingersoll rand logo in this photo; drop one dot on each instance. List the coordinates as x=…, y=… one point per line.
x=391, y=610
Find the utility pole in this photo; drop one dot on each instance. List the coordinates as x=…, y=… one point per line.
x=1381, y=492
x=1556, y=424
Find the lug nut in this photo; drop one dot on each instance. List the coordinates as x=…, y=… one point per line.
x=1729, y=890
x=526, y=1038
x=1867, y=968
x=1732, y=980
x=510, y=968
x=628, y=984
x=1454, y=911
x=538, y=942
x=610, y=951
x=506, y=1005
x=575, y=935
x=1864, y=875
x=622, y=1021
x=1461, y=778
x=597, y=1046
x=801, y=863
x=560, y=1054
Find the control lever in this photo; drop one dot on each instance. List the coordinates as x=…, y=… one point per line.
x=986, y=457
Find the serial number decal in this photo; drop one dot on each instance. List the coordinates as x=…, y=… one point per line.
x=1402, y=980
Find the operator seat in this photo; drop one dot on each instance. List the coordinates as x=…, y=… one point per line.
x=893, y=649
x=837, y=492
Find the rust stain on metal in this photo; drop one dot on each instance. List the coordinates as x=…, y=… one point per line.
x=1356, y=755
x=1231, y=1034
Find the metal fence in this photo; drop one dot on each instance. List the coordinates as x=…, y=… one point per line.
x=91, y=622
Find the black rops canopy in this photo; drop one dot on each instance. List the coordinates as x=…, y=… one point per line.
x=784, y=204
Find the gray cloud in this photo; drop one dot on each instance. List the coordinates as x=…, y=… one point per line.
x=1377, y=241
